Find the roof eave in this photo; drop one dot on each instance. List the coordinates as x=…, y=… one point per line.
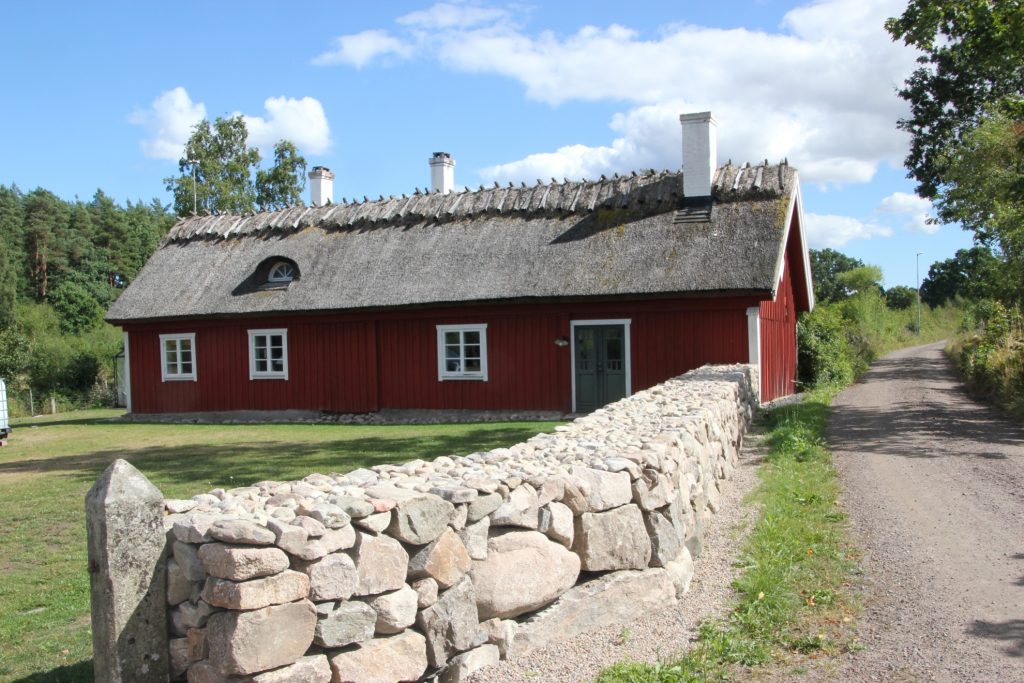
x=795, y=209
x=758, y=294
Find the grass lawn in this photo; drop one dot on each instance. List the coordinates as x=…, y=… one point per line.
x=52, y=461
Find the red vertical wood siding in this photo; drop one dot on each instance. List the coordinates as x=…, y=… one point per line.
x=362, y=362
x=329, y=364
x=778, y=340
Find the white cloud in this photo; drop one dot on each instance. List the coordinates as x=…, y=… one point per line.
x=359, y=49
x=827, y=230
x=915, y=210
x=449, y=15
x=648, y=137
x=300, y=120
x=169, y=121
x=172, y=116
x=836, y=231
x=819, y=91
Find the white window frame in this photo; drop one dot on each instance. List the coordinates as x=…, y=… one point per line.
x=128, y=372
x=177, y=338
x=443, y=374
x=274, y=275
x=268, y=373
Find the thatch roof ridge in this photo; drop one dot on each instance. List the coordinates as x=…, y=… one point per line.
x=648, y=193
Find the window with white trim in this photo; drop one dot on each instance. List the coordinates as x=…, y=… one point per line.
x=461, y=352
x=178, y=357
x=268, y=354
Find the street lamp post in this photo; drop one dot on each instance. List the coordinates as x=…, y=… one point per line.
x=195, y=164
x=918, y=271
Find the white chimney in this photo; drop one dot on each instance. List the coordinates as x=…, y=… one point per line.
x=321, y=186
x=442, y=173
x=700, y=153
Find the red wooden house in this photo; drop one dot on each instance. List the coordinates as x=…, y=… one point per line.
x=561, y=296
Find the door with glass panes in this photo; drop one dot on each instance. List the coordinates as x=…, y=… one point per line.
x=600, y=372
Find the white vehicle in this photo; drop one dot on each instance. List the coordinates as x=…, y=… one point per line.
x=5, y=423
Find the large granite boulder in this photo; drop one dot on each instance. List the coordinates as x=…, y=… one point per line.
x=523, y=572
x=613, y=599
x=451, y=623
x=445, y=560
x=248, y=642
x=402, y=657
x=616, y=539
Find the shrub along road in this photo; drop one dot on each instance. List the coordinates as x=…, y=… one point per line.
x=934, y=487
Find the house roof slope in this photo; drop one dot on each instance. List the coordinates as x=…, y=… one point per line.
x=630, y=235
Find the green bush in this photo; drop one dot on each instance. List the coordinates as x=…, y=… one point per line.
x=824, y=354
x=900, y=297
x=991, y=357
x=37, y=354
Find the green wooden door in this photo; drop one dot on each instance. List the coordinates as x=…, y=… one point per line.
x=600, y=365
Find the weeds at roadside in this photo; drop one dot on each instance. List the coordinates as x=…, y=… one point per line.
x=793, y=590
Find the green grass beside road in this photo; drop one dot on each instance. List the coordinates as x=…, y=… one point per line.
x=52, y=461
x=793, y=596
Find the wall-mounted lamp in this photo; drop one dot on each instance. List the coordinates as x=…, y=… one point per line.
x=562, y=341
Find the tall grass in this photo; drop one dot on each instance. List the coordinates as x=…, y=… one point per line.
x=990, y=354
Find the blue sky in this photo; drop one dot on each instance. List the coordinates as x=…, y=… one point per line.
x=102, y=95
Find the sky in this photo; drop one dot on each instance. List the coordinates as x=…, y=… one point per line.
x=102, y=95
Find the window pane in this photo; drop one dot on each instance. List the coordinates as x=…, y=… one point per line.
x=472, y=365
x=277, y=365
x=613, y=347
x=471, y=337
x=281, y=272
x=186, y=367
x=170, y=357
x=185, y=345
x=453, y=366
x=276, y=352
x=276, y=341
x=472, y=352
x=451, y=337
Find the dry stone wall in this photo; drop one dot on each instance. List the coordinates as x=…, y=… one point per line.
x=391, y=573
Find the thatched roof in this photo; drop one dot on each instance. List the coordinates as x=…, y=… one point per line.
x=631, y=235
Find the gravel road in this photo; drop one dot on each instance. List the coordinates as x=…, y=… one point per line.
x=661, y=635
x=934, y=487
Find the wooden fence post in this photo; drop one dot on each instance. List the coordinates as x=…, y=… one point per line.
x=127, y=575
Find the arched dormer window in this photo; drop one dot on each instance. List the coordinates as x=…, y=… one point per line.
x=276, y=272
x=282, y=271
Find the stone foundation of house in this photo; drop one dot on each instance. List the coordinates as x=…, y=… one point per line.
x=395, y=572
x=387, y=416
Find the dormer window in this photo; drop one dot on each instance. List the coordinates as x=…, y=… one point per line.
x=276, y=272
x=282, y=271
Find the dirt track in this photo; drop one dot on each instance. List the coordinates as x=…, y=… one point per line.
x=934, y=486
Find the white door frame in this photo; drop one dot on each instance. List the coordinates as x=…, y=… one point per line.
x=625, y=322
x=128, y=373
